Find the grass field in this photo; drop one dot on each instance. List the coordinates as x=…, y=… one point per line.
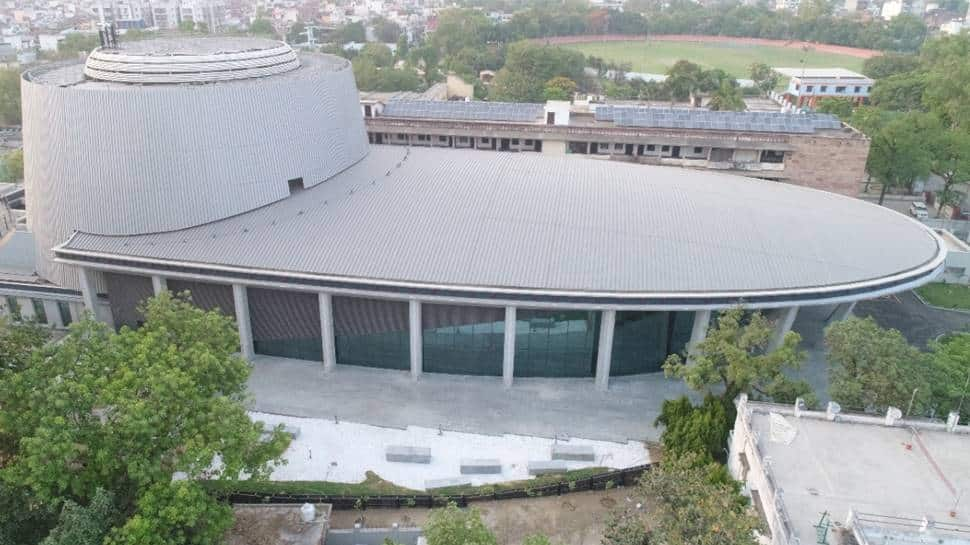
x=656, y=57
x=946, y=295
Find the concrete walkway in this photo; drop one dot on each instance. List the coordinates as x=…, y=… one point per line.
x=538, y=407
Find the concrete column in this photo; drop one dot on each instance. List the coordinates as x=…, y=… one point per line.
x=26, y=309
x=841, y=312
x=326, y=332
x=414, y=320
x=702, y=321
x=508, y=355
x=159, y=284
x=783, y=323
x=240, y=298
x=53, y=314
x=605, y=355
x=88, y=291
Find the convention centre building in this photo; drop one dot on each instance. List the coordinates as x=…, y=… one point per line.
x=241, y=172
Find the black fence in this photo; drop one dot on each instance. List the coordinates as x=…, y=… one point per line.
x=601, y=481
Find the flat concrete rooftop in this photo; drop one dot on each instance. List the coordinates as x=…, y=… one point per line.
x=902, y=471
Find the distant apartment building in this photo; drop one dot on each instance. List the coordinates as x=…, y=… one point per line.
x=807, y=85
x=805, y=149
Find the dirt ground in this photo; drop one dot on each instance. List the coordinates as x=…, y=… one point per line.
x=573, y=519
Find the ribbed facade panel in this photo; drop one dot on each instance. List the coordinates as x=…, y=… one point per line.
x=124, y=159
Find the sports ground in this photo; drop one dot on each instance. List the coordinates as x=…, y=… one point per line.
x=734, y=57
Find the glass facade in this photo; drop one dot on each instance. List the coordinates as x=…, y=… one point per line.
x=371, y=332
x=463, y=340
x=285, y=324
x=551, y=343
x=642, y=340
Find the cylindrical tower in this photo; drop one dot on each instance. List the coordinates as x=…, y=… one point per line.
x=162, y=135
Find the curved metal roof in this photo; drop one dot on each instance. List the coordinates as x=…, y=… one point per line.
x=456, y=221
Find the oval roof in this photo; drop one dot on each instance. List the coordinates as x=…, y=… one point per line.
x=492, y=221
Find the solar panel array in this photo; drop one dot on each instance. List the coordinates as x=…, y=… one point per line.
x=466, y=111
x=683, y=118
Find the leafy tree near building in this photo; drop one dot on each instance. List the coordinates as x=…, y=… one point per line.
x=13, y=166
x=871, y=368
x=727, y=97
x=900, y=92
x=950, y=160
x=559, y=88
x=898, y=155
x=351, y=32
x=735, y=356
x=529, y=66
x=453, y=526
x=765, y=78
x=889, y=64
x=387, y=31
x=85, y=524
x=262, y=27
x=840, y=107
x=685, y=506
x=379, y=54
x=403, y=47
x=949, y=375
x=702, y=430
x=127, y=413
x=9, y=96
x=947, y=90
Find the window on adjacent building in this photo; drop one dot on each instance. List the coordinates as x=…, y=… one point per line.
x=840, y=89
x=824, y=89
x=64, y=309
x=13, y=308
x=528, y=142
x=442, y=139
x=484, y=140
x=857, y=88
x=40, y=313
x=515, y=141
x=772, y=156
x=810, y=88
x=463, y=139
x=618, y=147
x=698, y=150
x=797, y=86
x=651, y=147
x=664, y=148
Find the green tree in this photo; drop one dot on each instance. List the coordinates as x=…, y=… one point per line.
x=735, y=355
x=453, y=526
x=949, y=375
x=950, y=160
x=529, y=66
x=76, y=43
x=871, y=368
x=840, y=107
x=84, y=524
x=559, y=88
x=262, y=27
x=889, y=64
x=127, y=411
x=379, y=54
x=727, y=97
x=387, y=31
x=13, y=166
x=23, y=519
x=688, y=508
x=687, y=81
x=948, y=78
x=403, y=46
x=352, y=32
x=9, y=96
x=897, y=155
x=764, y=77
x=701, y=430
x=460, y=28
x=427, y=57
x=536, y=539
x=900, y=92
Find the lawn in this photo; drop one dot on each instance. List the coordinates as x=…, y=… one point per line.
x=656, y=57
x=946, y=295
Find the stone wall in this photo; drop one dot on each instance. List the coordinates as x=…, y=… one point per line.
x=830, y=163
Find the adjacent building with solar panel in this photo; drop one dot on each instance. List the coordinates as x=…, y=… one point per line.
x=240, y=172
x=813, y=150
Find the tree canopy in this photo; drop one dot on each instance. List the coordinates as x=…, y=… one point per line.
x=453, y=526
x=897, y=154
x=9, y=96
x=529, y=66
x=131, y=413
x=735, y=355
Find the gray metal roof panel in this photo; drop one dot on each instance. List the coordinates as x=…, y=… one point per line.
x=460, y=110
x=487, y=219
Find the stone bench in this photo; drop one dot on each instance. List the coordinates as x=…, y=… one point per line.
x=545, y=467
x=408, y=455
x=480, y=466
x=573, y=453
x=431, y=484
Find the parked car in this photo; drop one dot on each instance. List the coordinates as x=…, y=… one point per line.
x=918, y=210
